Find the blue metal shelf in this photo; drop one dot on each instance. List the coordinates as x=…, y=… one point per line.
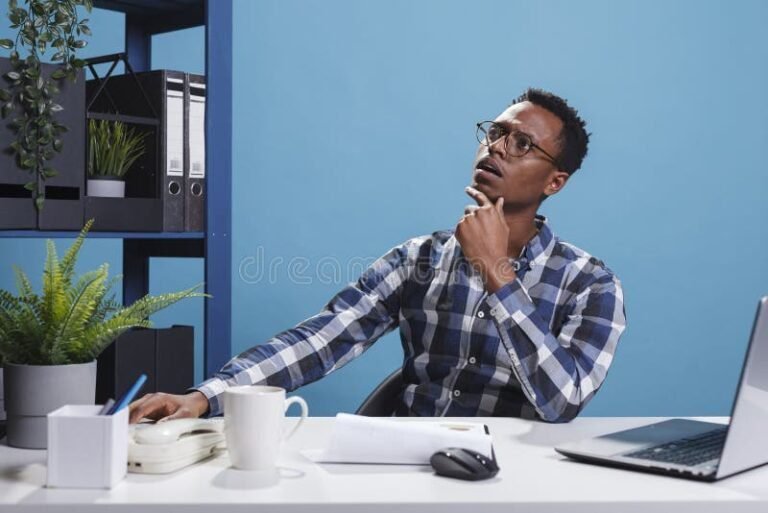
x=38, y=234
x=156, y=16
x=143, y=19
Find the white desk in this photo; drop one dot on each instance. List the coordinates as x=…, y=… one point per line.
x=532, y=478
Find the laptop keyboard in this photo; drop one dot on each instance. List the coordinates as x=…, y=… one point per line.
x=686, y=451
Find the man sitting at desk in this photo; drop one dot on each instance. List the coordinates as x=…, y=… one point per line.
x=497, y=317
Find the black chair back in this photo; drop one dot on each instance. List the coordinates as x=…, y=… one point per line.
x=383, y=400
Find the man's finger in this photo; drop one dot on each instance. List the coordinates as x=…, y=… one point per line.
x=169, y=417
x=500, y=205
x=470, y=209
x=181, y=413
x=135, y=409
x=136, y=414
x=149, y=408
x=141, y=400
x=478, y=196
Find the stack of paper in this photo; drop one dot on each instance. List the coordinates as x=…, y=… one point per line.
x=359, y=439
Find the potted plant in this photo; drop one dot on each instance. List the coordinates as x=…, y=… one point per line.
x=30, y=99
x=112, y=149
x=50, y=340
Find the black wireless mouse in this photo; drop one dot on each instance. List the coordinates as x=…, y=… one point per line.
x=463, y=464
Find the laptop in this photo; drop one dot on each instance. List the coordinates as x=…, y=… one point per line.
x=692, y=449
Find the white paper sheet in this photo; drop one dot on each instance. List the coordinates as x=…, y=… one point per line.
x=358, y=439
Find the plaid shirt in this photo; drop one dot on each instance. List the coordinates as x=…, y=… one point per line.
x=538, y=347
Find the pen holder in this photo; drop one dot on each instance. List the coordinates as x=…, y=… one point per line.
x=86, y=450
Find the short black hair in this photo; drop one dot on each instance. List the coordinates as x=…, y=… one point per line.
x=573, y=139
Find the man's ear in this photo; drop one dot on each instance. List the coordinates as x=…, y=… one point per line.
x=556, y=182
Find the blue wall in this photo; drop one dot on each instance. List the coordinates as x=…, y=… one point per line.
x=353, y=131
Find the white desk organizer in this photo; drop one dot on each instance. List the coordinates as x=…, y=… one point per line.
x=86, y=450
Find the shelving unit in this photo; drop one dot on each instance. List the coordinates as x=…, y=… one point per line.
x=143, y=19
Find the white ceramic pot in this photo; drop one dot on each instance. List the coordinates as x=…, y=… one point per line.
x=106, y=187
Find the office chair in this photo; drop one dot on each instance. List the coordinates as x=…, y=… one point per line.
x=382, y=401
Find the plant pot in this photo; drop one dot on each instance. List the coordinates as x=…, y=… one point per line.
x=106, y=187
x=33, y=391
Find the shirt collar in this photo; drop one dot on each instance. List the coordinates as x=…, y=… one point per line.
x=536, y=252
x=539, y=248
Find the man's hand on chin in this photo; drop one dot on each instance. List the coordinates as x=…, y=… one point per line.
x=483, y=235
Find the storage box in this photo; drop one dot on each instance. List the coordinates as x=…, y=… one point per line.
x=124, y=214
x=159, y=172
x=86, y=450
x=165, y=355
x=63, y=208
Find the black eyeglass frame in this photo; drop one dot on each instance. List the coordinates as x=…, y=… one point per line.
x=482, y=137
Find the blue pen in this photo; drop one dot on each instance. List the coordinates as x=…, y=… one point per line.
x=128, y=396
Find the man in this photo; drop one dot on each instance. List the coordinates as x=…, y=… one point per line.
x=497, y=317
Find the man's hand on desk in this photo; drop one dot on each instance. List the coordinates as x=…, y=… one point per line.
x=161, y=406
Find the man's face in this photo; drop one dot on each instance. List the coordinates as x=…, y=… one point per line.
x=521, y=180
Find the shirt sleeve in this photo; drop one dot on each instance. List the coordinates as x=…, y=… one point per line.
x=351, y=321
x=560, y=374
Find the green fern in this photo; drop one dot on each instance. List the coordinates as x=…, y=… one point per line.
x=70, y=322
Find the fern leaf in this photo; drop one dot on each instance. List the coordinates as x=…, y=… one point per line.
x=22, y=282
x=148, y=305
x=106, y=306
x=8, y=300
x=70, y=257
x=85, y=299
x=54, y=289
x=27, y=334
x=97, y=337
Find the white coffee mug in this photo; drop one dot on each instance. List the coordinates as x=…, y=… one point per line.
x=254, y=419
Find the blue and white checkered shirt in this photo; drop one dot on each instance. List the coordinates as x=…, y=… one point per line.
x=539, y=347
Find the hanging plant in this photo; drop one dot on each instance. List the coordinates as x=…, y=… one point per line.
x=30, y=95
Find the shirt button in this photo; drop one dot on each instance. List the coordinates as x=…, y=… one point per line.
x=481, y=314
x=472, y=360
x=456, y=393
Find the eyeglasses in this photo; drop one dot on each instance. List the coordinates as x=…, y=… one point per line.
x=516, y=143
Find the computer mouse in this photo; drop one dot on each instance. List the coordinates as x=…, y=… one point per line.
x=463, y=464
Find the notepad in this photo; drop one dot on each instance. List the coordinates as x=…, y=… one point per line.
x=358, y=439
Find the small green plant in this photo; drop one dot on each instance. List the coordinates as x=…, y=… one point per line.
x=112, y=148
x=72, y=321
x=31, y=96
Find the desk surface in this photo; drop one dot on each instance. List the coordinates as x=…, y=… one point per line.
x=532, y=478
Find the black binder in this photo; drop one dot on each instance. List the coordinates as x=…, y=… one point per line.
x=194, y=162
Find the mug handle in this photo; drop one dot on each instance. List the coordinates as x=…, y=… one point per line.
x=304, y=412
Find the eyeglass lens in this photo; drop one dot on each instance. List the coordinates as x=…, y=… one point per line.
x=517, y=143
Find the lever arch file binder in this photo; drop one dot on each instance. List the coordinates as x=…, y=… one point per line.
x=194, y=174
x=173, y=189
